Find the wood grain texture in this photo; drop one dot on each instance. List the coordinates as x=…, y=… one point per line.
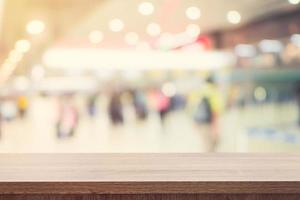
x=149, y=167
x=150, y=187
x=154, y=197
x=146, y=174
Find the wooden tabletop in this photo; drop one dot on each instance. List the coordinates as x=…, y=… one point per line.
x=149, y=173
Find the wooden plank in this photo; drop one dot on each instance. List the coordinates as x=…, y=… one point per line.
x=154, y=197
x=149, y=167
x=86, y=188
x=149, y=174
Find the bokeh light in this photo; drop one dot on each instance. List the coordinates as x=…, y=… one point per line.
x=234, y=17
x=35, y=27
x=153, y=29
x=116, y=25
x=146, y=8
x=193, y=13
x=193, y=30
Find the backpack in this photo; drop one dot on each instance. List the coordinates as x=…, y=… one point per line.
x=203, y=112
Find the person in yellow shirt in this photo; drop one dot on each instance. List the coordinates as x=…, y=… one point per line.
x=22, y=103
x=217, y=106
x=208, y=109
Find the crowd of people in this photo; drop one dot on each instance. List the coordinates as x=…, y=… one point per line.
x=202, y=105
x=140, y=100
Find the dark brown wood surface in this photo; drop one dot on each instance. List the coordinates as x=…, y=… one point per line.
x=150, y=176
x=149, y=187
x=155, y=197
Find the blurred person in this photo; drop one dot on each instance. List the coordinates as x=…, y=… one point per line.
x=298, y=101
x=177, y=102
x=22, y=103
x=217, y=105
x=200, y=107
x=68, y=117
x=92, y=105
x=140, y=104
x=8, y=110
x=161, y=103
x=208, y=111
x=116, y=109
x=203, y=114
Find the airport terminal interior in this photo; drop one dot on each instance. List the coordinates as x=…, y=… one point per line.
x=149, y=76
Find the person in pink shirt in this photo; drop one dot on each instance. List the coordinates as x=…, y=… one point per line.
x=67, y=118
x=160, y=102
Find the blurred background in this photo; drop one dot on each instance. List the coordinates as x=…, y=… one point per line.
x=99, y=76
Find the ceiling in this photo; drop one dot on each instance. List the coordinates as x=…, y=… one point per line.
x=69, y=22
x=58, y=15
x=170, y=14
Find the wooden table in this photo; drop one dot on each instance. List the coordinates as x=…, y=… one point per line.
x=149, y=176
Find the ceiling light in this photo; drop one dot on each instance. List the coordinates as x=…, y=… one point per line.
x=234, y=17
x=193, y=30
x=146, y=8
x=116, y=25
x=153, y=29
x=35, y=27
x=295, y=39
x=294, y=2
x=193, y=13
x=271, y=46
x=131, y=38
x=96, y=37
x=23, y=46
